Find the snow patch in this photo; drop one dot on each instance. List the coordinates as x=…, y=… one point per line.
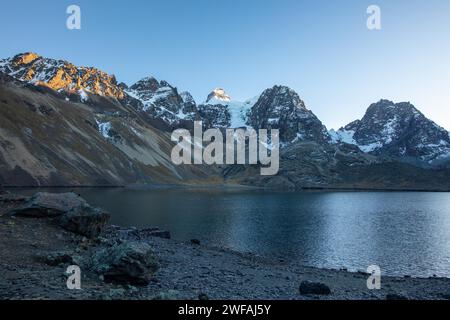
x=389, y=130
x=83, y=95
x=104, y=128
x=136, y=132
x=342, y=135
x=370, y=147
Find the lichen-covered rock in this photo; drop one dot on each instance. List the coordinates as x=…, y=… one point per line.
x=129, y=262
x=85, y=220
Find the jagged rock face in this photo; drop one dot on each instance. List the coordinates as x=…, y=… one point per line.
x=214, y=116
x=160, y=100
x=220, y=111
x=189, y=107
x=398, y=129
x=61, y=75
x=281, y=108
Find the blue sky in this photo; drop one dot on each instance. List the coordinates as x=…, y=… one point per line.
x=322, y=49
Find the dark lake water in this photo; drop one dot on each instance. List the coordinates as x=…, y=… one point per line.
x=402, y=232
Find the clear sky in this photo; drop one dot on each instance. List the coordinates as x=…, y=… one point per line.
x=321, y=48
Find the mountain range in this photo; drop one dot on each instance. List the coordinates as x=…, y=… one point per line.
x=66, y=125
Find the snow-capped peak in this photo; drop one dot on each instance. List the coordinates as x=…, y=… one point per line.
x=396, y=129
x=218, y=94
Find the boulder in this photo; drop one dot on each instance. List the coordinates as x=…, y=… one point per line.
x=134, y=234
x=126, y=263
x=13, y=198
x=57, y=259
x=154, y=232
x=446, y=296
x=69, y=210
x=203, y=297
x=84, y=220
x=396, y=297
x=168, y=295
x=308, y=287
x=44, y=204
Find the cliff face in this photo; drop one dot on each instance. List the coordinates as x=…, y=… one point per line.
x=281, y=108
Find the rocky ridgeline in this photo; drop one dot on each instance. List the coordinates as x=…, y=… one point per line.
x=278, y=108
x=121, y=137
x=162, y=101
x=387, y=128
x=61, y=75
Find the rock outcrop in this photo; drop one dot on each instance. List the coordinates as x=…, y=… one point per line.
x=85, y=220
x=69, y=210
x=316, y=288
x=129, y=262
x=44, y=204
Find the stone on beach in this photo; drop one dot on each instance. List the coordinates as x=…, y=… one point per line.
x=12, y=198
x=57, y=258
x=84, y=220
x=129, y=262
x=73, y=212
x=308, y=287
x=134, y=234
x=45, y=204
x=396, y=297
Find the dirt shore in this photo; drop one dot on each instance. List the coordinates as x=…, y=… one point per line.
x=186, y=270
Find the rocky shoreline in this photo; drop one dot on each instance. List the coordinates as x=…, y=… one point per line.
x=44, y=234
